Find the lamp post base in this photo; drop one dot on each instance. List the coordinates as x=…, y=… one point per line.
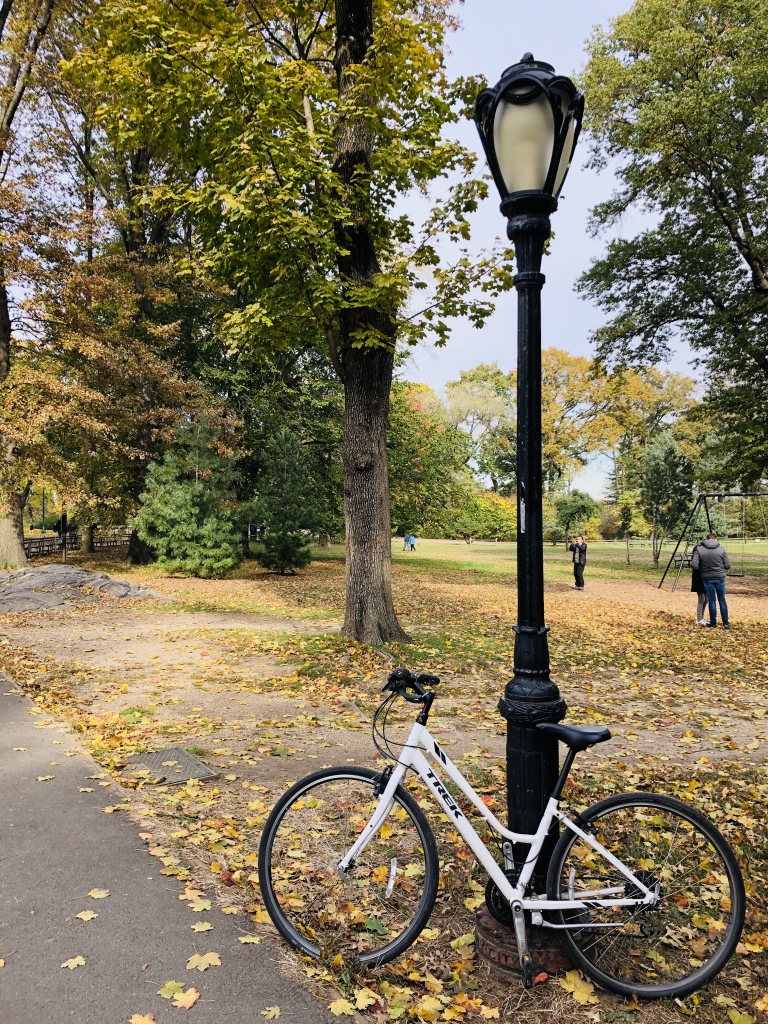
x=496, y=945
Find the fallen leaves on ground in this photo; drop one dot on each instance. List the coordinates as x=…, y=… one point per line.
x=142, y=1018
x=86, y=915
x=582, y=990
x=341, y=1006
x=171, y=989
x=99, y=894
x=199, y=905
x=249, y=939
x=271, y=1012
x=185, y=1000
x=737, y=1017
x=202, y=963
x=73, y=962
x=202, y=926
x=637, y=666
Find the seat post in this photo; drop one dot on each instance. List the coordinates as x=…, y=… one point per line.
x=557, y=792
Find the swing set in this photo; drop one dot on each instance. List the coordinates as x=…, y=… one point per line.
x=683, y=560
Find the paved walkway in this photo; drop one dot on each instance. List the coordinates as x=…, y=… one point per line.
x=56, y=844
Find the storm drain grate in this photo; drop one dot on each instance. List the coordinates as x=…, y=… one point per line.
x=173, y=765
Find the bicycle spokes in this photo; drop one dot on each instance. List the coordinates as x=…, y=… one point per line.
x=366, y=907
x=677, y=861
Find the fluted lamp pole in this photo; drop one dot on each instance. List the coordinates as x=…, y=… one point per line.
x=529, y=125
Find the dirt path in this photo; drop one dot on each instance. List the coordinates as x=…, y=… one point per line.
x=180, y=672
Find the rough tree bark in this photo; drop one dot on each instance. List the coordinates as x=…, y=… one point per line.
x=11, y=527
x=367, y=372
x=12, y=536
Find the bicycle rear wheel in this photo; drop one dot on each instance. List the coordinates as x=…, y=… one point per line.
x=682, y=942
x=376, y=909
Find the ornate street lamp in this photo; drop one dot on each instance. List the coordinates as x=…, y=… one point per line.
x=529, y=125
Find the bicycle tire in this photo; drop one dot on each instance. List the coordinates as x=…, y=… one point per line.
x=695, y=925
x=321, y=912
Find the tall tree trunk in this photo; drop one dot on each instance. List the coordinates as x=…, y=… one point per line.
x=11, y=525
x=370, y=613
x=139, y=553
x=367, y=372
x=87, y=541
x=5, y=333
x=12, y=536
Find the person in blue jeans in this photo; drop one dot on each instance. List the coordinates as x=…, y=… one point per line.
x=711, y=559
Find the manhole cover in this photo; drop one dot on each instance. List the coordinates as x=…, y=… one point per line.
x=174, y=765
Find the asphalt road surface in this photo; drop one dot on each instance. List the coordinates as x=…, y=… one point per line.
x=57, y=844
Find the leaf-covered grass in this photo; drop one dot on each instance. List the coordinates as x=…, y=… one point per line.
x=687, y=708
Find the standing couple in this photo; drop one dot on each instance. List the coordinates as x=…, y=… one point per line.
x=709, y=564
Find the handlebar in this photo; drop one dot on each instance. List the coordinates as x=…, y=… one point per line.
x=401, y=681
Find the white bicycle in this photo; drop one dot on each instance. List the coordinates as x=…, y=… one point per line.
x=645, y=891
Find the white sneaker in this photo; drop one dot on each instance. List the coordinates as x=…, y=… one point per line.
x=700, y=622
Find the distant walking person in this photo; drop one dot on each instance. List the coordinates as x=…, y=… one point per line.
x=697, y=587
x=712, y=561
x=579, y=549
x=407, y=541
x=413, y=542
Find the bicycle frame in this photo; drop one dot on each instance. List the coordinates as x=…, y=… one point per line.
x=419, y=743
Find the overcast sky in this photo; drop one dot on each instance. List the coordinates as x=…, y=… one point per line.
x=495, y=34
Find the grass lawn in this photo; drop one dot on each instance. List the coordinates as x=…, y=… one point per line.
x=252, y=673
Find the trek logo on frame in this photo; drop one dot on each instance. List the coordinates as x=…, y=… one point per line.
x=444, y=794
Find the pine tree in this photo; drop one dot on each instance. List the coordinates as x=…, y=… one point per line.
x=188, y=516
x=285, y=507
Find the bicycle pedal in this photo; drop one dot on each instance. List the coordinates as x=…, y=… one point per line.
x=527, y=965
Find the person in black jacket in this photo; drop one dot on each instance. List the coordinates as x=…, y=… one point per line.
x=579, y=549
x=697, y=587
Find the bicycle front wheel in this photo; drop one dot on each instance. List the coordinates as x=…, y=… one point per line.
x=674, y=947
x=376, y=909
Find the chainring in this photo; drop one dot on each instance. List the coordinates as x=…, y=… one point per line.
x=498, y=906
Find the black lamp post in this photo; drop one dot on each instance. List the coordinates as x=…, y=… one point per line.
x=529, y=124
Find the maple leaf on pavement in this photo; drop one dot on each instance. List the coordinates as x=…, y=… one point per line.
x=202, y=963
x=271, y=1012
x=86, y=915
x=197, y=905
x=73, y=962
x=186, y=1000
x=171, y=989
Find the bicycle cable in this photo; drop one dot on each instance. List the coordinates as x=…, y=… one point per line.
x=380, y=732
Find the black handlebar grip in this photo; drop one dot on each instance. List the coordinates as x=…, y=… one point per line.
x=427, y=680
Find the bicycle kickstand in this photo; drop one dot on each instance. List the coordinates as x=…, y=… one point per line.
x=526, y=963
